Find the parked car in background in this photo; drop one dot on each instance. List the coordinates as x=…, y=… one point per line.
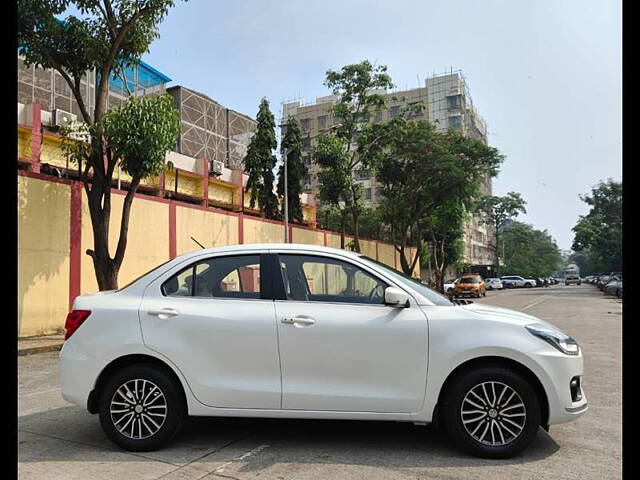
x=493, y=284
x=539, y=281
x=470, y=284
x=300, y=331
x=602, y=281
x=614, y=286
x=514, y=281
x=450, y=285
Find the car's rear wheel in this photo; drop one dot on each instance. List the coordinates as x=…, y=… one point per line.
x=491, y=412
x=141, y=408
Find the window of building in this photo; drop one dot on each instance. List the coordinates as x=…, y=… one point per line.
x=362, y=174
x=394, y=111
x=305, y=124
x=456, y=121
x=454, y=101
x=322, y=121
x=306, y=143
x=367, y=194
x=378, y=117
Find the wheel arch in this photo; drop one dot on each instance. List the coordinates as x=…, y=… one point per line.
x=484, y=361
x=125, y=361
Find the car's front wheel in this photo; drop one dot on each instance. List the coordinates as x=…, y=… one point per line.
x=141, y=408
x=491, y=412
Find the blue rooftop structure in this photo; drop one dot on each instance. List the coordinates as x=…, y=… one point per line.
x=138, y=76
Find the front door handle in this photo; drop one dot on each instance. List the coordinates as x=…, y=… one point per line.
x=163, y=313
x=298, y=321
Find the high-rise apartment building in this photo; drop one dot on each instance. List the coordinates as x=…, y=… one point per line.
x=448, y=104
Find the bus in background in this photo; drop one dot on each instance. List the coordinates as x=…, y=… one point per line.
x=571, y=274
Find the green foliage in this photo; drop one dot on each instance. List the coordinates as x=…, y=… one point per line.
x=429, y=180
x=260, y=162
x=529, y=252
x=109, y=36
x=296, y=170
x=496, y=211
x=340, y=152
x=140, y=132
x=600, y=231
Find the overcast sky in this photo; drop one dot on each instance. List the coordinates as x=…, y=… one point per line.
x=544, y=74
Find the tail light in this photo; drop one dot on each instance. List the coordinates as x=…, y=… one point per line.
x=75, y=318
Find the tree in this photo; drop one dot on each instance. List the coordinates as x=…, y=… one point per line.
x=260, y=162
x=429, y=180
x=296, y=170
x=354, y=84
x=111, y=37
x=529, y=252
x=600, y=231
x=496, y=211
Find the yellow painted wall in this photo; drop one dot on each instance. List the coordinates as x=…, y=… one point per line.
x=368, y=248
x=386, y=254
x=43, y=256
x=51, y=153
x=302, y=235
x=211, y=229
x=221, y=193
x=147, y=245
x=187, y=184
x=333, y=240
x=256, y=231
x=24, y=143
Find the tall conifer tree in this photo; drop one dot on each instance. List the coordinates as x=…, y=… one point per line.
x=296, y=170
x=260, y=162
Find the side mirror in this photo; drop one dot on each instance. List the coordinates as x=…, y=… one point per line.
x=395, y=297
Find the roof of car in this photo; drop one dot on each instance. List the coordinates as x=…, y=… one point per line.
x=271, y=246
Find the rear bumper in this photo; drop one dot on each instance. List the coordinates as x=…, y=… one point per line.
x=77, y=373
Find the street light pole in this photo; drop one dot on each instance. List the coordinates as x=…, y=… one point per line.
x=286, y=199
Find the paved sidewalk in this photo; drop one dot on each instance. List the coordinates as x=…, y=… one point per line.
x=45, y=343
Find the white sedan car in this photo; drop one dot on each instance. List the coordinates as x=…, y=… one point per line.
x=493, y=284
x=299, y=331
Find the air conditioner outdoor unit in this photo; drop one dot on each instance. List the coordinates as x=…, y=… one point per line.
x=60, y=117
x=216, y=166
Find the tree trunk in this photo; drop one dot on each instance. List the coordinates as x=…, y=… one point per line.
x=356, y=231
x=343, y=221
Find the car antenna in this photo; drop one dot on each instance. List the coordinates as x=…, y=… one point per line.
x=201, y=246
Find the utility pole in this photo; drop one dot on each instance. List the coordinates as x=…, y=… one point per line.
x=286, y=199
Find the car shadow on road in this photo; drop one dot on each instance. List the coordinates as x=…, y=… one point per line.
x=388, y=444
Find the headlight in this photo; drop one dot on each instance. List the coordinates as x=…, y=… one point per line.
x=559, y=340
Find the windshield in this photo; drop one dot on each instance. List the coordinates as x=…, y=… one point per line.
x=425, y=291
x=470, y=280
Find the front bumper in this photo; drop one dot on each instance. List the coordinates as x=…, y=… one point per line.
x=560, y=369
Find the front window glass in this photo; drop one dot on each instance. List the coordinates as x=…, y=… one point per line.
x=470, y=280
x=323, y=279
x=426, y=292
x=220, y=277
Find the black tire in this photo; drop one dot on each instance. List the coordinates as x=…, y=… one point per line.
x=452, y=418
x=527, y=285
x=175, y=408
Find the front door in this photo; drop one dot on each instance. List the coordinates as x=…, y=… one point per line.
x=341, y=347
x=212, y=320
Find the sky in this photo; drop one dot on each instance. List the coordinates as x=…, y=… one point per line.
x=545, y=75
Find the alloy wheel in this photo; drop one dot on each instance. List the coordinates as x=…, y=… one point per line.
x=493, y=413
x=138, y=409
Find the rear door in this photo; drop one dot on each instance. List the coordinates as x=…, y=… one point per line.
x=215, y=320
x=341, y=347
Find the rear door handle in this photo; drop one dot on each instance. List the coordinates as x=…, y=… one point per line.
x=298, y=320
x=163, y=313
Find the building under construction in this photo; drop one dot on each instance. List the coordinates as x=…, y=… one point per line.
x=448, y=104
